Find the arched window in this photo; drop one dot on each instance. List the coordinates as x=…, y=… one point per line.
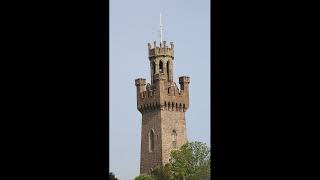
x=174, y=139
x=154, y=67
x=151, y=140
x=161, y=67
x=168, y=69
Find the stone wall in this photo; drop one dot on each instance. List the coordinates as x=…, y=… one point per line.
x=163, y=122
x=172, y=120
x=150, y=120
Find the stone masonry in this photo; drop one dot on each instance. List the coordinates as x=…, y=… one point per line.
x=163, y=106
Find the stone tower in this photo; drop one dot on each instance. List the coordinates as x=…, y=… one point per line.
x=163, y=106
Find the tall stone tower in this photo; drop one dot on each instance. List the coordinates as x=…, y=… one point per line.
x=163, y=106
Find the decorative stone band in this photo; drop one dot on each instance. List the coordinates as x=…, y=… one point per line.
x=175, y=106
x=169, y=106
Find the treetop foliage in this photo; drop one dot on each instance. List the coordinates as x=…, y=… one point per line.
x=190, y=162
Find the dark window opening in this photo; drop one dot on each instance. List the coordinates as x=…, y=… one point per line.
x=151, y=141
x=168, y=70
x=161, y=67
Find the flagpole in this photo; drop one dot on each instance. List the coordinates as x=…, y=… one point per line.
x=160, y=28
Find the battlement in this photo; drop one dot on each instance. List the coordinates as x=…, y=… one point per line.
x=165, y=97
x=140, y=82
x=149, y=95
x=162, y=50
x=184, y=79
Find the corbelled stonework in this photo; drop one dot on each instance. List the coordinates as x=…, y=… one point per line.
x=163, y=106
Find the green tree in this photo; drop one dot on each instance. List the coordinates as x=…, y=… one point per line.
x=144, y=177
x=191, y=162
x=162, y=173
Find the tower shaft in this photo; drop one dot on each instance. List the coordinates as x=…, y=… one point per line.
x=163, y=106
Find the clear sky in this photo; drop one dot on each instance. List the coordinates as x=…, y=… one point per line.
x=134, y=23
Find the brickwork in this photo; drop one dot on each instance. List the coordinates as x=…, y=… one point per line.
x=172, y=120
x=150, y=121
x=162, y=105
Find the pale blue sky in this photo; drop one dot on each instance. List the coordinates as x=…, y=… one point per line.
x=134, y=23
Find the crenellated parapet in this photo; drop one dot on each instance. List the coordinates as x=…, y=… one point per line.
x=175, y=99
x=162, y=95
x=162, y=50
x=184, y=82
x=147, y=96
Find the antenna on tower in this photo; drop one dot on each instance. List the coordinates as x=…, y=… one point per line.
x=160, y=28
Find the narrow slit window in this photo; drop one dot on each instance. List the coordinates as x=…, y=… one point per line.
x=161, y=67
x=174, y=139
x=151, y=140
x=168, y=69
